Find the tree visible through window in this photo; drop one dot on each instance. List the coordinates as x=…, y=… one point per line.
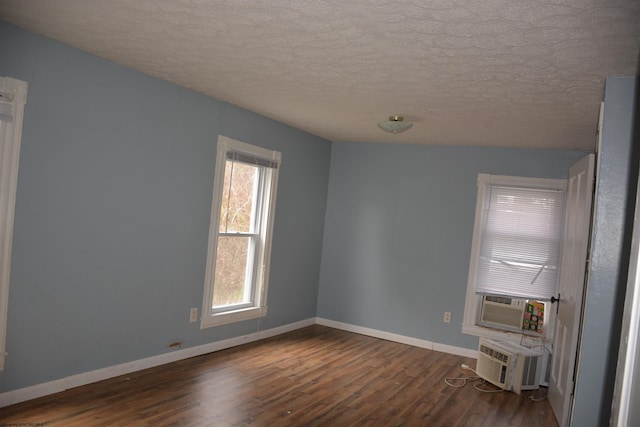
x=237, y=232
x=239, y=242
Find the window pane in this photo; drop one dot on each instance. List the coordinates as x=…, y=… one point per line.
x=238, y=197
x=230, y=283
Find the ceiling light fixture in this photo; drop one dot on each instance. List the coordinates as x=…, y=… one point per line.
x=395, y=124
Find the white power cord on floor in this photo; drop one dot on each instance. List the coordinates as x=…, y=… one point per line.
x=462, y=381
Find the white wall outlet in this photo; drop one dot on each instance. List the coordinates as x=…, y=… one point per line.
x=447, y=317
x=193, y=315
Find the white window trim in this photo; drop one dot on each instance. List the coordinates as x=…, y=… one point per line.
x=210, y=318
x=9, y=160
x=472, y=301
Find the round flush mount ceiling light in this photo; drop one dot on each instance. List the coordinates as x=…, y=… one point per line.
x=395, y=124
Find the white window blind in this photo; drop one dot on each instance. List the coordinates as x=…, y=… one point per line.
x=252, y=160
x=520, y=239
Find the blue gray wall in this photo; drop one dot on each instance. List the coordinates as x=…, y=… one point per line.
x=614, y=204
x=398, y=232
x=112, y=213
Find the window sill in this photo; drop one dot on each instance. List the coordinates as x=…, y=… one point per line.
x=232, y=317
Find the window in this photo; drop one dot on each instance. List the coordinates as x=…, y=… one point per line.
x=515, y=255
x=244, y=194
x=13, y=96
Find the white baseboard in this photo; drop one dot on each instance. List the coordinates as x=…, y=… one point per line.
x=44, y=389
x=398, y=338
x=51, y=387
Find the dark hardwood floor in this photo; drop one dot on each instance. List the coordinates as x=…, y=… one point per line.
x=315, y=376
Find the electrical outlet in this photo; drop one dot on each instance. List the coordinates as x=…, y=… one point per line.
x=193, y=315
x=447, y=317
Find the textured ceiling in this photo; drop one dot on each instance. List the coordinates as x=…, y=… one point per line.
x=493, y=72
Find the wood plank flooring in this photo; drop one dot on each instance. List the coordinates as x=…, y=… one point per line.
x=315, y=376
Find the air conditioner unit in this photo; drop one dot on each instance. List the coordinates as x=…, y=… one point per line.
x=502, y=312
x=509, y=366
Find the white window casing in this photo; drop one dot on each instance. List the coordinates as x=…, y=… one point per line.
x=13, y=97
x=515, y=252
x=267, y=163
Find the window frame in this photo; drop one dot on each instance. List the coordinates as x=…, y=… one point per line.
x=257, y=307
x=473, y=301
x=10, y=139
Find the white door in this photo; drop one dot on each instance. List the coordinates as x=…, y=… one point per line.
x=571, y=286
